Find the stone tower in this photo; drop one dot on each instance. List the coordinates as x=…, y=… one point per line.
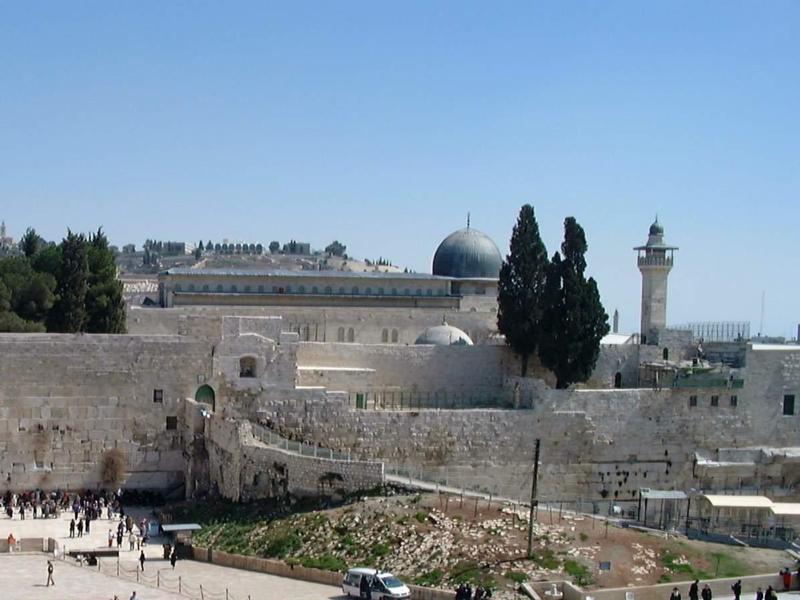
x=655, y=263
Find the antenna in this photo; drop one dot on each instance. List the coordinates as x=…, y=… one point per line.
x=763, y=302
x=467, y=220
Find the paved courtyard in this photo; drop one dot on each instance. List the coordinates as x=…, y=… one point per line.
x=23, y=576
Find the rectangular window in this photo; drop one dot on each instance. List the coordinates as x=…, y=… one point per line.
x=788, y=405
x=172, y=423
x=734, y=401
x=692, y=401
x=158, y=395
x=714, y=400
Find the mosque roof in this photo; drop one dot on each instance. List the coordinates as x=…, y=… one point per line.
x=304, y=273
x=444, y=335
x=467, y=254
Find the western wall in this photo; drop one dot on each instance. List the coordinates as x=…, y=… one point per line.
x=67, y=400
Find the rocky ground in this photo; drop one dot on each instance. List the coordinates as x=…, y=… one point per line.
x=439, y=541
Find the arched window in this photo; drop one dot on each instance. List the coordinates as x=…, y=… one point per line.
x=380, y=291
x=618, y=380
x=191, y=287
x=407, y=292
x=665, y=354
x=385, y=336
x=315, y=290
x=341, y=291
x=328, y=290
x=340, y=334
x=419, y=291
x=247, y=289
x=219, y=287
x=301, y=289
x=274, y=289
x=429, y=292
x=288, y=289
x=233, y=288
x=351, y=335
x=261, y=289
x=394, y=336
x=368, y=291
x=354, y=291
x=247, y=366
x=394, y=291
x=205, y=287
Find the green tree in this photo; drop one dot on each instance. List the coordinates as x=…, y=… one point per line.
x=11, y=322
x=68, y=314
x=274, y=247
x=521, y=288
x=105, y=307
x=198, y=253
x=48, y=260
x=574, y=318
x=31, y=243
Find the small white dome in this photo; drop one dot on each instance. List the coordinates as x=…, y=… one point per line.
x=444, y=335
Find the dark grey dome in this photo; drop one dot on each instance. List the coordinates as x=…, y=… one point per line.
x=467, y=253
x=656, y=228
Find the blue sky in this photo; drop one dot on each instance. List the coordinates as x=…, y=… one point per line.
x=382, y=124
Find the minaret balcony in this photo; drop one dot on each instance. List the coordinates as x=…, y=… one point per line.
x=655, y=261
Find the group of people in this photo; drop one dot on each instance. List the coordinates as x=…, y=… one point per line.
x=464, y=592
x=696, y=593
x=37, y=504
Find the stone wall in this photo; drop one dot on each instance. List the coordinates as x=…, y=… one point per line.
x=324, y=324
x=244, y=468
x=66, y=401
x=388, y=366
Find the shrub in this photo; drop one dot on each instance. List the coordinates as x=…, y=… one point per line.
x=517, y=576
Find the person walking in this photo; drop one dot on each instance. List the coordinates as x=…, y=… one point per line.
x=50, y=580
x=759, y=594
x=786, y=574
x=706, y=593
x=141, y=560
x=80, y=528
x=770, y=594
x=675, y=595
x=131, y=541
x=110, y=538
x=134, y=596
x=694, y=590
x=737, y=590
x=173, y=558
x=86, y=527
x=119, y=539
x=72, y=528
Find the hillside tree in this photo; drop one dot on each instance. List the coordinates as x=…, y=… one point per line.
x=521, y=288
x=68, y=314
x=574, y=318
x=105, y=307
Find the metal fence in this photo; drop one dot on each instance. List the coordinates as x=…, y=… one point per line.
x=270, y=438
x=176, y=584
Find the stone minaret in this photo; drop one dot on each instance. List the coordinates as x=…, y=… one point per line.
x=655, y=263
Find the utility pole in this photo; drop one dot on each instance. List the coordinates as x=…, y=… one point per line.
x=534, y=502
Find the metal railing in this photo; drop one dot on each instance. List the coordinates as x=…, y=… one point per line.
x=270, y=438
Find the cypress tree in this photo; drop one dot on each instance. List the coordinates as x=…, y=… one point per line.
x=68, y=315
x=520, y=288
x=575, y=320
x=105, y=306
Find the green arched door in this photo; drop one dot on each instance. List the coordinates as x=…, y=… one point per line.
x=205, y=394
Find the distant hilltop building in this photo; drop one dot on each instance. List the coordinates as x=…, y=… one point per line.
x=6, y=241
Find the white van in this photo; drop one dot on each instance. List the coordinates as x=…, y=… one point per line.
x=385, y=586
